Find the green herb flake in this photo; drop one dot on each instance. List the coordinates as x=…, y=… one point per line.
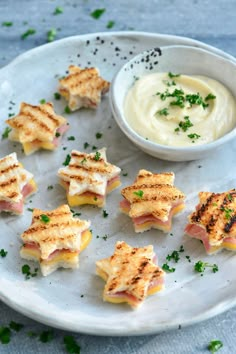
x=171, y=75
x=163, y=112
x=139, y=193
x=104, y=237
x=5, y=335
x=83, y=161
x=30, y=209
x=3, y=253
x=32, y=334
x=57, y=96
x=230, y=197
x=105, y=214
x=46, y=336
x=98, y=135
x=71, y=345
x=228, y=212
x=67, y=160
x=186, y=124
x=86, y=145
x=194, y=136
x=197, y=99
x=51, y=34
x=50, y=188
x=7, y=24
x=27, y=271
x=210, y=96
x=6, y=132
x=200, y=267
x=214, y=345
x=67, y=110
x=110, y=24
x=125, y=174
x=97, y=156
x=96, y=14
x=16, y=326
x=28, y=33
x=44, y=218
x=58, y=10
x=167, y=268
x=42, y=101
x=94, y=147
x=71, y=138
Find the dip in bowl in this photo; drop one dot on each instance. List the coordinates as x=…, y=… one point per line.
x=176, y=103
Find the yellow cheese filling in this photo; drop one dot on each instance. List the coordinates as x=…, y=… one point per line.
x=227, y=245
x=31, y=147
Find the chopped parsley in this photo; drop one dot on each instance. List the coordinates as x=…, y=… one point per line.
x=71, y=345
x=163, y=112
x=96, y=14
x=58, y=10
x=75, y=213
x=167, y=268
x=230, y=197
x=5, y=335
x=16, y=326
x=105, y=214
x=188, y=258
x=42, y=101
x=94, y=147
x=6, y=133
x=28, y=33
x=196, y=99
x=138, y=193
x=95, y=199
x=71, y=138
x=67, y=110
x=30, y=209
x=51, y=34
x=50, y=188
x=86, y=145
x=104, y=237
x=173, y=256
x=46, y=336
x=67, y=160
x=3, y=253
x=97, y=156
x=44, y=218
x=7, y=24
x=210, y=96
x=194, y=136
x=184, y=125
x=57, y=96
x=98, y=135
x=125, y=174
x=110, y=24
x=83, y=161
x=27, y=271
x=214, y=345
x=171, y=75
x=169, y=83
x=228, y=212
x=200, y=267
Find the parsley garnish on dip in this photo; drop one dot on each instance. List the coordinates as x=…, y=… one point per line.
x=179, y=110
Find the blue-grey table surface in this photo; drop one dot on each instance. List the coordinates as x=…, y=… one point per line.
x=212, y=22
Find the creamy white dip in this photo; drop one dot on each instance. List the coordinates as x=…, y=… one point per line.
x=154, y=117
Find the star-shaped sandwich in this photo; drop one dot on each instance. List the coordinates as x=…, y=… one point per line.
x=83, y=87
x=130, y=274
x=88, y=178
x=16, y=184
x=37, y=127
x=55, y=238
x=152, y=200
x=214, y=221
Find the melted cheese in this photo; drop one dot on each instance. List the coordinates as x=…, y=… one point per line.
x=75, y=200
x=113, y=185
x=29, y=148
x=85, y=240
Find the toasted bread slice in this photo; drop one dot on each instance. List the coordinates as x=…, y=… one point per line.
x=83, y=87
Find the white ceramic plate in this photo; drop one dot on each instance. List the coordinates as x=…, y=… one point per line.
x=73, y=299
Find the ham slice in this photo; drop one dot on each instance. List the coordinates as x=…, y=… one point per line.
x=61, y=130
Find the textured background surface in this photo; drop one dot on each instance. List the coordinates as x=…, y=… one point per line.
x=208, y=21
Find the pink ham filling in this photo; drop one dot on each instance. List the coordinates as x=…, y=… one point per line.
x=17, y=207
x=124, y=204
x=61, y=130
x=199, y=232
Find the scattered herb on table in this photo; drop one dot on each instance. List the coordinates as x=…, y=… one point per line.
x=138, y=193
x=71, y=346
x=110, y=24
x=214, y=345
x=46, y=336
x=16, y=326
x=173, y=256
x=94, y=147
x=5, y=335
x=71, y=138
x=67, y=160
x=57, y=96
x=28, y=33
x=3, y=253
x=57, y=134
x=105, y=213
x=98, y=135
x=67, y=110
x=50, y=188
x=7, y=24
x=30, y=209
x=200, y=267
x=27, y=271
x=58, y=10
x=6, y=133
x=96, y=14
x=125, y=174
x=167, y=268
x=86, y=145
x=104, y=237
x=51, y=34
x=42, y=101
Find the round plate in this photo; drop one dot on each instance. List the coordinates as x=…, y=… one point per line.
x=73, y=299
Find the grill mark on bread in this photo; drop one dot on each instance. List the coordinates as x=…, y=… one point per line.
x=9, y=168
x=8, y=182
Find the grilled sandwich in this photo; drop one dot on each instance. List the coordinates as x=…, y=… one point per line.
x=55, y=238
x=37, y=127
x=152, y=200
x=83, y=87
x=130, y=274
x=16, y=184
x=214, y=221
x=88, y=178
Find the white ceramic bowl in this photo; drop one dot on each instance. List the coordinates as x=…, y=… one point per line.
x=178, y=59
